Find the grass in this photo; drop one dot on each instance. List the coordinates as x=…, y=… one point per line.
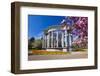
x=44, y=52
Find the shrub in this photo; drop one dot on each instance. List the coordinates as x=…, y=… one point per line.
x=79, y=49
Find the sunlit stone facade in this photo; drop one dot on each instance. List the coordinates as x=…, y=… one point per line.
x=57, y=38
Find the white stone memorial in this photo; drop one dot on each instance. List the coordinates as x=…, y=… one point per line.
x=58, y=38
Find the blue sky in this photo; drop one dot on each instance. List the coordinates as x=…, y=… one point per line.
x=37, y=23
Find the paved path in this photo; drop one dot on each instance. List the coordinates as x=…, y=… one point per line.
x=73, y=55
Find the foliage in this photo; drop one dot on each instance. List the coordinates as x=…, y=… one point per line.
x=80, y=30
x=76, y=47
x=78, y=27
x=30, y=42
x=32, y=39
x=79, y=49
x=37, y=44
x=34, y=43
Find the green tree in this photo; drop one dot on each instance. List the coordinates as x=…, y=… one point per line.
x=38, y=44
x=31, y=42
x=32, y=39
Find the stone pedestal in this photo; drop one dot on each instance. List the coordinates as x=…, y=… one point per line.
x=65, y=50
x=53, y=50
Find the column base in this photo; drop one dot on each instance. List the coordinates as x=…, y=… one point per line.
x=53, y=50
x=65, y=50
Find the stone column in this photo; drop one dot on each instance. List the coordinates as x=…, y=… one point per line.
x=70, y=39
x=66, y=38
x=70, y=42
x=44, y=41
x=65, y=47
x=52, y=39
x=62, y=40
x=48, y=40
x=57, y=39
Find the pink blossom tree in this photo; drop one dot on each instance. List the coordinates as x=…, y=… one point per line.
x=81, y=30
